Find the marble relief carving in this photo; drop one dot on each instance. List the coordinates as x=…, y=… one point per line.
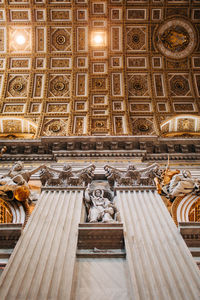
x=67, y=177
x=132, y=176
x=99, y=207
x=14, y=184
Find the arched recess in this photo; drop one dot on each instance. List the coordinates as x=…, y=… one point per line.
x=12, y=212
x=16, y=127
x=181, y=125
x=186, y=209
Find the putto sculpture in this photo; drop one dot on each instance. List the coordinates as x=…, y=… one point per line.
x=99, y=207
x=67, y=177
x=14, y=184
x=132, y=176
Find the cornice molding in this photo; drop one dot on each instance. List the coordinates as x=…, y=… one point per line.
x=146, y=148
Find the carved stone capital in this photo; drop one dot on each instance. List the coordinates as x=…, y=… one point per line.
x=67, y=177
x=132, y=176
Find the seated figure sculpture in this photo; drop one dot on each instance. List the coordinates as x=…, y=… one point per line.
x=183, y=184
x=100, y=209
x=173, y=184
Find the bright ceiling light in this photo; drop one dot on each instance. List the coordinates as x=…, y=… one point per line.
x=98, y=39
x=20, y=39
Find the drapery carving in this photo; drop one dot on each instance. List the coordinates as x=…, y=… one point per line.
x=99, y=205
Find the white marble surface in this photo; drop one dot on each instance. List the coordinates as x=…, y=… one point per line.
x=160, y=264
x=102, y=278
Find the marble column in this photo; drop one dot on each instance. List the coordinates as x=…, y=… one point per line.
x=42, y=263
x=160, y=264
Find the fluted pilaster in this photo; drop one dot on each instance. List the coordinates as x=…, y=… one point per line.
x=41, y=266
x=160, y=263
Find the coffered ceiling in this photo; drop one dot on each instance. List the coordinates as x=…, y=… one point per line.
x=99, y=67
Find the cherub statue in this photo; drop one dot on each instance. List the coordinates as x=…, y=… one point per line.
x=17, y=174
x=65, y=177
x=132, y=176
x=100, y=208
x=14, y=184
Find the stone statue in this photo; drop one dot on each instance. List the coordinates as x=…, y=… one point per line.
x=100, y=208
x=183, y=184
x=172, y=184
x=14, y=184
x=17, y=174
x=65, y=177
x=132, y=176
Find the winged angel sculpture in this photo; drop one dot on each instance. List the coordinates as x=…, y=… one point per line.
x=132, y=176
x=169, y=183
x=65, y=177
x=14, y=184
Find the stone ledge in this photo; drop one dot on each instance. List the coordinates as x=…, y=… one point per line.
x=100, y=236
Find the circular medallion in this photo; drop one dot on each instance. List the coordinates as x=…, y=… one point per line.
x=143, y=127
x=175, y=38
x=55, y=127
x=135, y=38
x=59, y=86
x=137, y=86
x=18, y=86
x=60, y=39
x=179, y=85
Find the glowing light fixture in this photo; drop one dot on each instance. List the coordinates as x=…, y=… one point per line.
x=20, y=39
x=98, y=39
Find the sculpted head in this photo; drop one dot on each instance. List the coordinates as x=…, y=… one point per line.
x=18, y=166
x=186, y=174
x=66, y=167
x=98, y=193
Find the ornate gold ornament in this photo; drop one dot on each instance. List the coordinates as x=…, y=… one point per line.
x=175, y=36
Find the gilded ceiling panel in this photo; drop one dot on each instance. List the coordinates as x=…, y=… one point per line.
x=96, y=67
